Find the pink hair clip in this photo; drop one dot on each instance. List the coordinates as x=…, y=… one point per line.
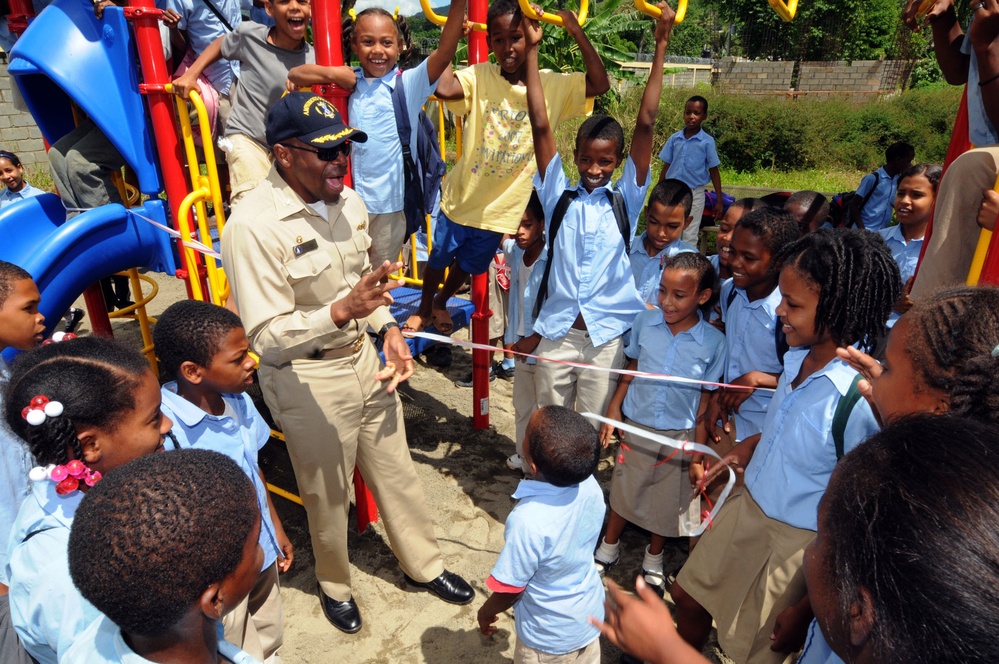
x=66, y=476
x=40, y=408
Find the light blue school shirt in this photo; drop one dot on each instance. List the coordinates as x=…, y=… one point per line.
x=648, y=270
x=980, y=130
x=238, y=438
x=377, y=163
x=877, y=211
x=47, y=610
x=690, y=158
x=15, y=464
x=515, y=258
x=817, y=651
x=750, y=334
x=792, y=464
x=590, y=274
x=7, y=197
x=695, y=353
x=103, y=643
x=906, y=254
x=549, y=540
x=203, y=28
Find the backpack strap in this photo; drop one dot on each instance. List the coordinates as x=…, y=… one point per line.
x=843, y=410
x=867, y=196
x=567, y=197
x=402, y=124
x=218, y=15
x=616, y=199
x=36, y=532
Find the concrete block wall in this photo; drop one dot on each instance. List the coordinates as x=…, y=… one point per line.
x=18, y=131
x=754, y=77
x=841, y=77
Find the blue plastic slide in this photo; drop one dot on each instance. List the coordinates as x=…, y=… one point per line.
x=65, y=256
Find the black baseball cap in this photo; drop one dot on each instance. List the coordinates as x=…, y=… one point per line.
x=311, y=119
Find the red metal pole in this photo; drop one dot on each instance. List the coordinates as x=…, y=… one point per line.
x=327, y=33
x=145, y=22
x=478, y=51
x=100, y=324
x=20, y=12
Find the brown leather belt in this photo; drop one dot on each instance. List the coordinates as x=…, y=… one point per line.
x=343, y=351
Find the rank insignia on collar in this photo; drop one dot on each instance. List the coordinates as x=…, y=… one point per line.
x=360, y=226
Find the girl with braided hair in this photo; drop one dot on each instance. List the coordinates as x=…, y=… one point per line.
x=380, y=40
x=83, y=407
x=837, y=289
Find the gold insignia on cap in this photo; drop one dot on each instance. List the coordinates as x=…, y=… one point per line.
x=323, y=107
x=327, y=138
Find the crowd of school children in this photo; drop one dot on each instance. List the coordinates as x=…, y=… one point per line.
x=858, y=423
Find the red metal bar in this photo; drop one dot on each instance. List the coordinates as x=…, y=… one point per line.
x=20, y=12
x=145, y=21
x=327, y=33
x=478, y=51
x=97, y=309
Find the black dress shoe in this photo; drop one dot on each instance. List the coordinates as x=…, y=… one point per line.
x=448, y=586
x=342, y=615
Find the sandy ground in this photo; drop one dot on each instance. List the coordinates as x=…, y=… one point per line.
x=468, y=488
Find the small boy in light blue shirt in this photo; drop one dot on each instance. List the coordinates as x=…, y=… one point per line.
x=546, y=570
x=205, y=348
x=21, y=327
x=871, y=205
x=689, y=155
x=666, y=215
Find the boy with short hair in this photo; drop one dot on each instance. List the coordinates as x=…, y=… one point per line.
x=810, y=208
x=690, y=155
x=21, y=327
x=871, y=205
x=587, y=298
x=546, y=569
x=205, y=349
x=483, y=196
x=666, y=217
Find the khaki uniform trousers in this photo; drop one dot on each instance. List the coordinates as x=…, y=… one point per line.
x=525, y=654
x=583, y=390
x=955, y=229
x=334, y=415
x=257, y=623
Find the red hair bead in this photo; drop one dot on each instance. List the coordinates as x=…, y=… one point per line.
x=68, y=485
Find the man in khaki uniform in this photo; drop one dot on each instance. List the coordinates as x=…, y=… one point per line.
x=296, y=253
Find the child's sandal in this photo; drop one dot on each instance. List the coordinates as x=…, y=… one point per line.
x=655, y=580
x=603, y=566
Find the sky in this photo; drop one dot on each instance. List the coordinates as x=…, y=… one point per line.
x=406, y=7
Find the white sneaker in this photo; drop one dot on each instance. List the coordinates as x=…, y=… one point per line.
x=515, y=462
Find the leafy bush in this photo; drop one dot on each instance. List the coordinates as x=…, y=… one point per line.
x=756, y=133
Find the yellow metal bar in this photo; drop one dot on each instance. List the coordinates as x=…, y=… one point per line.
x=981, y=251
x=653, y=11
x=184, y=226
x=437, y=19
x=287, y=495
x=549, y=17
x=785, y=11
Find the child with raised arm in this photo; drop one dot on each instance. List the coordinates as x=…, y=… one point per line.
x=587, y=298
x=690, y=156
x=650, y=487
x=378, y=39
x=545, y=570
x=486, y=192
x=204, y=349
x=666, y=216
x=265, y=56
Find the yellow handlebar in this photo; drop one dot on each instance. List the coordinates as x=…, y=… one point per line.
x=437, y=19
x=924, y=8
x=784, y=10
x=554, y=19
x=653, y=11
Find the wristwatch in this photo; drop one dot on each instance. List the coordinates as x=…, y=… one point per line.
x=386, y=328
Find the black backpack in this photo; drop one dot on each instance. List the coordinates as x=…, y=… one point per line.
x=568, y=196
x=839, y=206
x=423, y=175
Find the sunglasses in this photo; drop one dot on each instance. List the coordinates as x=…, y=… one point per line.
x=326, y=154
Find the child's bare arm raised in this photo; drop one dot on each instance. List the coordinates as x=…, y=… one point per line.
x=641, y=141
x=537, y=110
x=441, y=58
x=304, y=76
x=597, y=82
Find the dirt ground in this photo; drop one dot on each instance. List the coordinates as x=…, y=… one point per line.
x=468, y=488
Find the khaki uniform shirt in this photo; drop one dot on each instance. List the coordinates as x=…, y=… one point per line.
x=287, y=265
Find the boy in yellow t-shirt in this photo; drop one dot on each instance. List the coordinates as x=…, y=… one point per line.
x=486, y=193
